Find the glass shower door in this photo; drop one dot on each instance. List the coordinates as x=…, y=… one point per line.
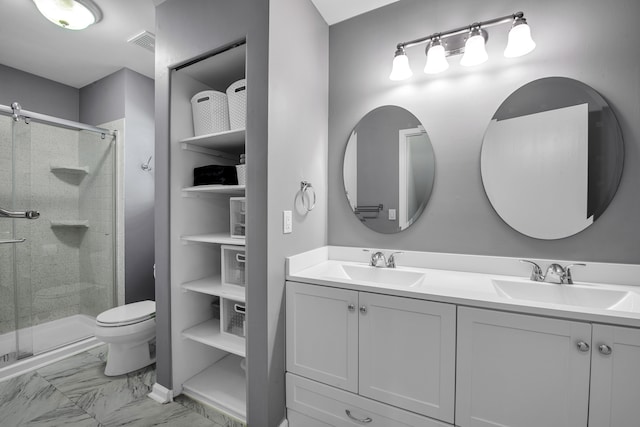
x=16, y=309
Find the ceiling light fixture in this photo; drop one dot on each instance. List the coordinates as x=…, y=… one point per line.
x=70, y=14
x=469, y=40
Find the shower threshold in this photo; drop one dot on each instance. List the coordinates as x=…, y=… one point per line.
x=52, y=341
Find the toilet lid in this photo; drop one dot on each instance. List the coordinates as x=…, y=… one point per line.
x=129, y=313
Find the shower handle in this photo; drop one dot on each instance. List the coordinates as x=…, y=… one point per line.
x=26, y=214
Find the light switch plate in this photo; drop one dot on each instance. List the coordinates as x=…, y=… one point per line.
x=392, y=214
x=287, y=222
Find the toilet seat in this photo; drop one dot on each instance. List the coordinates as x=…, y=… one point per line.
x=128, y=314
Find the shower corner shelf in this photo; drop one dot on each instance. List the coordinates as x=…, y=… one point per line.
x=70, y=223
x=76, y=170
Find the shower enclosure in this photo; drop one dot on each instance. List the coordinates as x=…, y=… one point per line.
x=57, y=231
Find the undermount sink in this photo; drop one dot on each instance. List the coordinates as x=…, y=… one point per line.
x=575, y=295
x=379, y=276
x=385, y=276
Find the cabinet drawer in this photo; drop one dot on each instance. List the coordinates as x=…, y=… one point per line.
x=331, y=406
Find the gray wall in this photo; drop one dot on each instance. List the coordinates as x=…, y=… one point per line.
x=298, y=117
x=38, y=94
x=456, y=106
x=129, y=95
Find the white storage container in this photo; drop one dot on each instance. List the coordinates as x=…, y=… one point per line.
x=233, y=318
x=241, y=172
x=237, y=216
x=237, y=97
x=210, y=112
x=233, y=265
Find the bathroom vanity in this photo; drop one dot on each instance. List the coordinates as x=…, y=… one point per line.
x=447, y=339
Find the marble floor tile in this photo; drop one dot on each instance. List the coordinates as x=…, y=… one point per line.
x=147, y=413
x=31, y=400
x=218, y=418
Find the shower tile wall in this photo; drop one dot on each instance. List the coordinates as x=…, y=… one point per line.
x=97, y=252
x=67, y=268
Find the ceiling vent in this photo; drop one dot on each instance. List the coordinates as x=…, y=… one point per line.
x=144, y=39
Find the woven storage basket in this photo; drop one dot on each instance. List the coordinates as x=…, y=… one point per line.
x=237, y=97
x=210, y=112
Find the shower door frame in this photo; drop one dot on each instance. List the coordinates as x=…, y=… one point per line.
x=17, y=114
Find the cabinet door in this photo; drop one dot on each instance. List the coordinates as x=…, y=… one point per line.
x=615, y=377
x=322, y=334
x=407, y=354
x=525, y=371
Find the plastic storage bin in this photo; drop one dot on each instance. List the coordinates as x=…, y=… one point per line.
x=237, y=216
x=237, y=98
x=233, y=265
x=233, y=318
x=210, y=112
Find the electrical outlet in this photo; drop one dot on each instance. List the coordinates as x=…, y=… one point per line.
x=287, y=222
x=392, y=214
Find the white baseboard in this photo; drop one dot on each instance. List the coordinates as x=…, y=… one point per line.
x=161, y=394
x=284, y=423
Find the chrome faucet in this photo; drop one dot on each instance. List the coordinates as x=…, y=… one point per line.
x=555, y=273
x=378, y=257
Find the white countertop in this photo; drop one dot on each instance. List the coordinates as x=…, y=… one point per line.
x=468, y=288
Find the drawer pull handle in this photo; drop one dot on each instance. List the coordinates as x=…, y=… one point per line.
x=360, y=420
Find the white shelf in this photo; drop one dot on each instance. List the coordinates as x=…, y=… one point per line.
x=208, y=333
x=231, y=141
x=213, y=286
x=76, y=170
x=70, y=223
x=220, y=238
x=222, y=385
x=220, y=189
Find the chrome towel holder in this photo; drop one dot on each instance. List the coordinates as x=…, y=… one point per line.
x=305, y=189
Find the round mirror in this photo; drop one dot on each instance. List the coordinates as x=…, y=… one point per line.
x=388, y=169
x=552, y=158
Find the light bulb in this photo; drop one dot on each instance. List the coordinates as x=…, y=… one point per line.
x=69, y=14
x=400, y=69
x=436, y=60
x=474, y=51
x=520, y=42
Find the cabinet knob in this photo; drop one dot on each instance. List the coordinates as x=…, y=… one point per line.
x=351, y=307
x=360, y=420
x=604, y=349
x=363, y=309
x=583, y=346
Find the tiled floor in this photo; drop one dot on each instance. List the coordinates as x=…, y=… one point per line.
x=74, y=392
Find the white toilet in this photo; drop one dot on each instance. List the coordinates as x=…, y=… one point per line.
x=130, y=332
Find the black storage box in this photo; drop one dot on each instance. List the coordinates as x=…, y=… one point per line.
x=215, y=174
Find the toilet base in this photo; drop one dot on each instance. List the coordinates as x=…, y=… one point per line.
x=125, y=358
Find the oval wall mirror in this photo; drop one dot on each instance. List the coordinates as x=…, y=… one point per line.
x=552, y=158
x=388, y=169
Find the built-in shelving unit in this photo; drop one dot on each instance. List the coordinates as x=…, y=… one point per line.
x=216, y=188
x=208, y=290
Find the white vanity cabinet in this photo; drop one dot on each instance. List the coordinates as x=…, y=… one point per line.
x=519, y=370
x=529, y=371
x=379, y=348
x=615, y=377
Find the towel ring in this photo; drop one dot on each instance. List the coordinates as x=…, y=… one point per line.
x=306, y=186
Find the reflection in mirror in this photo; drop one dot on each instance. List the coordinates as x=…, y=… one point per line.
x=552, y=158
x=388, y=170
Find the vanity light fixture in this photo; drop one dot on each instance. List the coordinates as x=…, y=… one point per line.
x=70, y=14
x=468, y=40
